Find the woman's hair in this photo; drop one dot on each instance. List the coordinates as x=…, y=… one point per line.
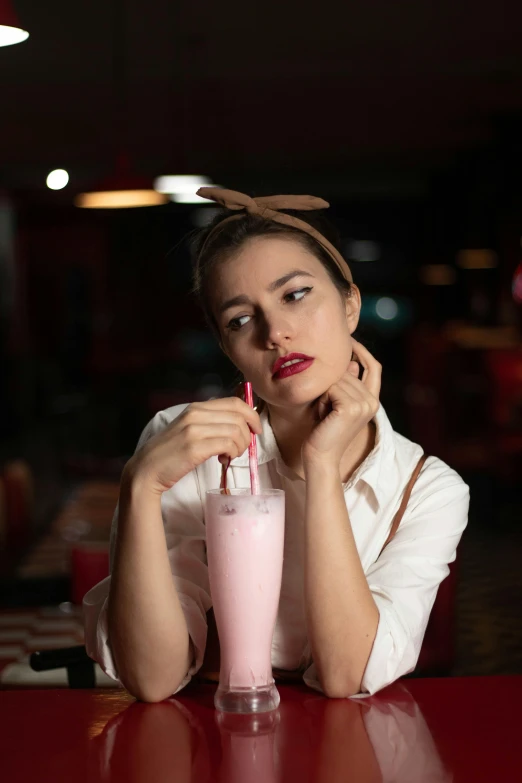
x=233, y=235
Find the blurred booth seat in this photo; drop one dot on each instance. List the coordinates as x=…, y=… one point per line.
x=464, y=396
x=83, y=522
x=16, y=507
x=505, y=367
x=505, y=375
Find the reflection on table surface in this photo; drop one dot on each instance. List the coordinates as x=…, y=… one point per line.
x=434, y=731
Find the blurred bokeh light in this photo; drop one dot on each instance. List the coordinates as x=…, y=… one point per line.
x=57, y=179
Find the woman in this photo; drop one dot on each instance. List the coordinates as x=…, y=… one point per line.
x=276, y=290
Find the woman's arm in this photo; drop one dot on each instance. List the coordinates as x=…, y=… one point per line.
x=402, y=583
x=342, y=616
x=147, y=629
x=146, y=623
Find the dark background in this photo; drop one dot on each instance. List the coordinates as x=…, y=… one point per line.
x=406, y=116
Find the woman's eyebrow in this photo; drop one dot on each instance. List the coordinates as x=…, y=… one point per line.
x=243, y=299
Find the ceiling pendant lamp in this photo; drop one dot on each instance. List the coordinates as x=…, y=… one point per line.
x=10, y=30
x=122, y=190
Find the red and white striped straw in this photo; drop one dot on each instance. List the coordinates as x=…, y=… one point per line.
x=252, y=449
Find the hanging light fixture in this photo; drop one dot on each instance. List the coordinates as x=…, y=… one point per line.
x=10, y=30
x=123, y=189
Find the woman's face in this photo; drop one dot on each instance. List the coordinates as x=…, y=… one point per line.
x=274, y=298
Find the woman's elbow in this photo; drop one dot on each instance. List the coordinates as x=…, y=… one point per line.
x=150, y=689
x=142, y=682
x=339, y=687
x=151, y=693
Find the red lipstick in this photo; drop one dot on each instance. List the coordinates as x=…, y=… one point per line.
x=279, y=372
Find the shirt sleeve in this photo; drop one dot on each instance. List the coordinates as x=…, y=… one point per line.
x=184, y=527
x=404, y=580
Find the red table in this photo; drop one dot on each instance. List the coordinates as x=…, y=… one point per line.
x=423, y=731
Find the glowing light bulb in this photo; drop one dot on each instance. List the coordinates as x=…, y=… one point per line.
x=57, y=179
x=12, y=35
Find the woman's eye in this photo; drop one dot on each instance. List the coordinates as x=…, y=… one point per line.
x=302, y=291
x=235, y=324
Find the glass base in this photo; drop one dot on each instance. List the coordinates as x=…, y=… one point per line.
x=253, y=724
x=247, y=700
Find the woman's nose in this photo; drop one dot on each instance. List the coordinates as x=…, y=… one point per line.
x=276, y=328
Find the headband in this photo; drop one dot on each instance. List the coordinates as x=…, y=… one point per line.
x=268, y=207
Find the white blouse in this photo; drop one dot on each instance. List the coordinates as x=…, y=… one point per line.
x=403, y=580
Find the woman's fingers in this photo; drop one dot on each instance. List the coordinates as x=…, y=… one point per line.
x=239, y=434
x=372, y=369
x=353, y=369
x=232, y=406
x=354, y=391
x=351, y=385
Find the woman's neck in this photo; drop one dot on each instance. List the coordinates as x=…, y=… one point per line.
x=291, y=428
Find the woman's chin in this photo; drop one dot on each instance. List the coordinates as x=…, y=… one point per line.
x=296, y=397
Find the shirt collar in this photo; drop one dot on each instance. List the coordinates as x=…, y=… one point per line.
x=372, y=471
x=376, y=470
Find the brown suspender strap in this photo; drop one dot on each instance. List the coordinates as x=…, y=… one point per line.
x=402, y=508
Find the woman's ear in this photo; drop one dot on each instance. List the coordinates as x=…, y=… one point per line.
x=353, y=307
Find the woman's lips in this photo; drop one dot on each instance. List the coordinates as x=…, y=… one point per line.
x=292, y=369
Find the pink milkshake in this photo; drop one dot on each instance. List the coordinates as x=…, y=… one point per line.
x=245, y=539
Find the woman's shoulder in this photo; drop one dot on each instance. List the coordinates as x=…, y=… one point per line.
x=439, y=503
x=439, y=494
x=440, y=490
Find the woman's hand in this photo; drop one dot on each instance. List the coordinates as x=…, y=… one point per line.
x=344, y=409
x=204, y=429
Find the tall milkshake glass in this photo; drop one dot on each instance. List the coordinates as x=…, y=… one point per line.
x=245, y=541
